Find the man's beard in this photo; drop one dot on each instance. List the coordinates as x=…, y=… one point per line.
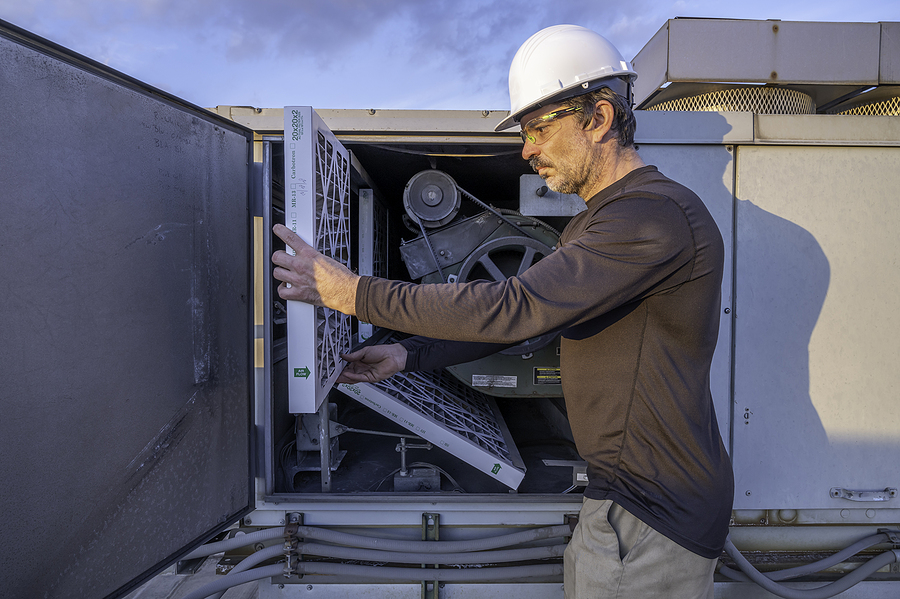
x=573, y=174
x=565, y=182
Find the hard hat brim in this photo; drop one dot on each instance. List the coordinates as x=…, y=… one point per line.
x=620, y=84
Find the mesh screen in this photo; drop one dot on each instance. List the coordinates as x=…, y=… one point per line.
x=451, y=404
x=757, y=99
x=889, y=107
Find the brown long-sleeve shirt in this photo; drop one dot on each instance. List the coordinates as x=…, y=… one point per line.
x=635, y=289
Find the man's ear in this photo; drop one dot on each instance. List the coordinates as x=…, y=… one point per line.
x=602, y=120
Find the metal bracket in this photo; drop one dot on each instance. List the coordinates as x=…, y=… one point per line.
x=290, y=543
x=431, y=531
x=579, y=472
x=884, y=495
x=892, y=535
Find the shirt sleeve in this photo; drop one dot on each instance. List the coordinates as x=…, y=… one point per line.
x=624, y=251
x=425, y=353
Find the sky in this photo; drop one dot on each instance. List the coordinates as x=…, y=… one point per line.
x=381, y=54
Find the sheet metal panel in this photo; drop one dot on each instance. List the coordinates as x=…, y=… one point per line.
x=817, y=333
x=125, y=362
x=708, y=170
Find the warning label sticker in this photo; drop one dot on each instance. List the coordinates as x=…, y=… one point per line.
x=494, y=380
x=547, y=376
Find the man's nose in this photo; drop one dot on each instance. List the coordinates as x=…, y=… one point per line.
x=529, y=150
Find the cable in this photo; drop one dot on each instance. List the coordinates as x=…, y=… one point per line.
x=823, y=592
x=517, y=538
x=223, y=583
x=515, y=573
x=831, y=560
x=239, y=540
x=252, y=560
x=476, y=557
x=364, y=542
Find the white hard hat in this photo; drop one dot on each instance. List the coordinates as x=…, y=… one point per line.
x=560, y=62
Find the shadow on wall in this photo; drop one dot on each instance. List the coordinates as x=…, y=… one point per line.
x=780, y=444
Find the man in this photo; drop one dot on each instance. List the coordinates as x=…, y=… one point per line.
x=634, y=288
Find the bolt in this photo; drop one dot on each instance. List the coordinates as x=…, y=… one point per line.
x=774, y=75
x=727, y=310
x=485, y=113
x=774, y=28
x=248, y=521
x=371, y=111
x=309, y=587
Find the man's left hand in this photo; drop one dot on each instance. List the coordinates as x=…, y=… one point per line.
x=313, y=277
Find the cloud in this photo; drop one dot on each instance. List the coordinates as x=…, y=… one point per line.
x=356, y=53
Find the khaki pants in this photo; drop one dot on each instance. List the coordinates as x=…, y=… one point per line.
x=613, y=555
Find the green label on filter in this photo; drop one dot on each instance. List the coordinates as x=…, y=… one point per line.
x=301, y=372
x=495, y=469
x=547, y=376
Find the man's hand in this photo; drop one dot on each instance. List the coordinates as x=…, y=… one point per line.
x=314, y=278
x=374, y=363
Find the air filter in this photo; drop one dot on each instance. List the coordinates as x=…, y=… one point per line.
x=450, y=415
x=317, y=208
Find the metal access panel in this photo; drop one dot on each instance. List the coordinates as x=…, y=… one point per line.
x=317, y=208
x=817, y=333
x=708, y=170
x=443, y=411
x=125, y=363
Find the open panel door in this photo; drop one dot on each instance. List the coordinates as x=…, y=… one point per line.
x=125, y=359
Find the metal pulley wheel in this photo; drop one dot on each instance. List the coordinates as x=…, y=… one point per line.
x=431, y=198
x=500, y=259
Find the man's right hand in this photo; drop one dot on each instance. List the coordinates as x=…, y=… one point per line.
x=374, y=363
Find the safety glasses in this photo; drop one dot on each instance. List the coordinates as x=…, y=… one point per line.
x=538, y=130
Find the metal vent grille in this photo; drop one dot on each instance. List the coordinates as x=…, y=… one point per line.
x=440, y=409
x=889, y=107
x=332, y=239
x=757, y=99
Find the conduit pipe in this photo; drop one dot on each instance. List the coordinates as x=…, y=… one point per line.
x=251, y=560
x=823, y=592
x=360, y=541
x=364, y=542
x=223, y=583
x=516, y=573
x=473, y=557
x=239, y=540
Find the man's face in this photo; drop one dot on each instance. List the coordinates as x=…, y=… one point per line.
x=564, y=160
